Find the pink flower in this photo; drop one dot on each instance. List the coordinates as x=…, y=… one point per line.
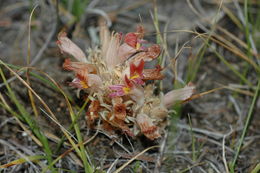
x=136, y=93
x=86, y=74
x=117, y=70
x=78, y=83
x=78, y=66
x=120, y=90
x=132, y=44
x=84, y=81
x=134, y=39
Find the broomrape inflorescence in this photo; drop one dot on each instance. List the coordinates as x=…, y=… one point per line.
x=116, y=77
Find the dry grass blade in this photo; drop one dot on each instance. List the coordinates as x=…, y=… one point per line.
x=240, y=91
x=69, y=151
x=21, y=161
x=81, y=152
x=214, y=135
x=129, y=161
x=29, y=87
x=56, y=122
x=237, y=52
x=25, y=158
x=35, y=139
x=195, y=96
x=190, y=167
x=232, y=17
x=43, y=103
x=233, y=49
x=28, y=63
x=223, y=150
x=161, y=154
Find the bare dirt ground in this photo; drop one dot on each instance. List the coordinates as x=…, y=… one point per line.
x=216, y=118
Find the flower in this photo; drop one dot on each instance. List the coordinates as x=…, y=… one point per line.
x=153, y=74
x=119, y=108
x=79, y=83
x=120, y=90
x=174, y=96
x=148, y=54
x=136, y=72
x=116, y=76
x=78, y=66
x=67, y=46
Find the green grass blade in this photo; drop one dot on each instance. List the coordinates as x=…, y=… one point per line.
x=256, y=169
x=236, y=72
x=194, y=64
x=193, y=141
x=71, y=126
x=29, y=120
x=23, y=160
x=249, y=116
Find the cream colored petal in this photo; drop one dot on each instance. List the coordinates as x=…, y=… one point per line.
x=159, y=113
x=67, y=46
x=125, y=51
x=111, y=55
x=104, y=38
x=125, y=72
x=137, y=94
x=94, y=81
x=177, y=95
x=79, y=66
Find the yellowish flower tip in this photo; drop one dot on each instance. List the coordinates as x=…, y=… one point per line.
x=135, y=76
x=126, y=90
x=138, y=46
x=84, y=84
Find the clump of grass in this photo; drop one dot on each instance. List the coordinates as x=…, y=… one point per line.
x=25, y=116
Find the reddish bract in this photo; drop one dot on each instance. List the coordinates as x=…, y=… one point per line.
x=131, y=39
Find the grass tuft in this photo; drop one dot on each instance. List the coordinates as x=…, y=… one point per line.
x=25, y=116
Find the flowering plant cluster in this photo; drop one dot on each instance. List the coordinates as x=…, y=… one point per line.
x=116, y=77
